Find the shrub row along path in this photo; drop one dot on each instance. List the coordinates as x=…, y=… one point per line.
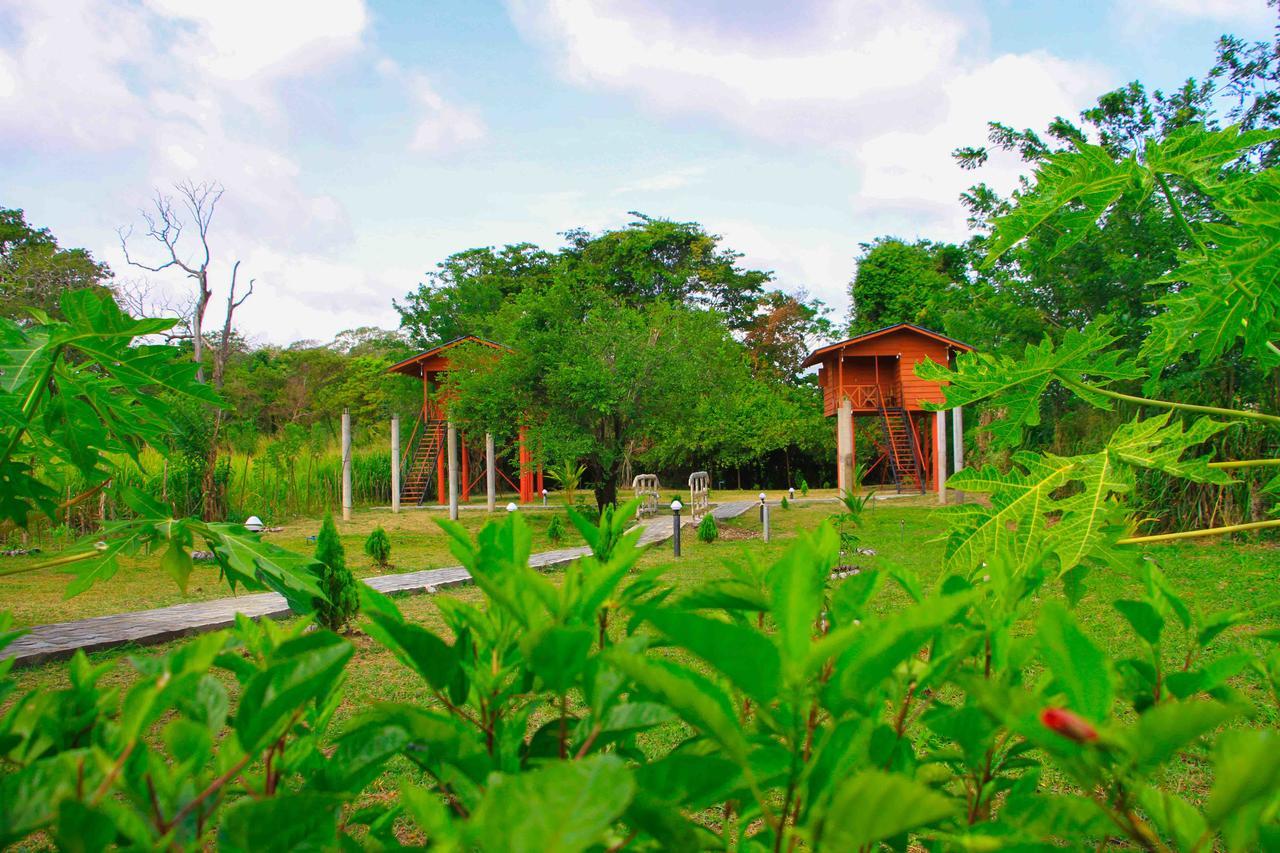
x=62, y=639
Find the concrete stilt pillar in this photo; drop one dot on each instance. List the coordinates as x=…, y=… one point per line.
x=395, y=463
x=490, y=473
x=453, y=471
x=346, y=464
x=940, y=452
x=844, y=446
x=957, y=443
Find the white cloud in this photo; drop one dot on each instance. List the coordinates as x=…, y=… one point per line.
x=243, y=39
x=893, y=87
x=442, y=125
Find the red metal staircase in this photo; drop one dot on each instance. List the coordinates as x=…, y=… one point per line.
x=904, y=447
x=419, y=461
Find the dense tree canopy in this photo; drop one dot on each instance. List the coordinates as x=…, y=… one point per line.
x=35, y=271
x=901, y=282
x=633, y=349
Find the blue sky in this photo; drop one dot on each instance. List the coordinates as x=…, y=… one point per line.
x=360, y=142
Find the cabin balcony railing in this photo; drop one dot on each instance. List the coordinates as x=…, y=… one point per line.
x=863, y=397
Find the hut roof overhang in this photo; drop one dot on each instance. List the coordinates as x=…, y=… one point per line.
x=817, y=355
x=412, y=366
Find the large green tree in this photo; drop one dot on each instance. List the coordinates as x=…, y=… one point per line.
x=901, y=282
x=35, y=271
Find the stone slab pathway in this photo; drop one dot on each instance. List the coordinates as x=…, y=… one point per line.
x=59, y=640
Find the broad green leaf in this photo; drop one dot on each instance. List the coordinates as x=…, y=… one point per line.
x=744, y=656
x=1072, y=190
x=1082, y=359
x=1145, y=620
x=558, y=654
x=875, y=806
x=699, y=702
x=1166, y=729
x=1079, y=668
x=795, y=586
x=563, y=807
x=1174, y=816
x=300, y=671
x=413, y=645
x=289, y=821
x=1246, y=768
x=1015, y=521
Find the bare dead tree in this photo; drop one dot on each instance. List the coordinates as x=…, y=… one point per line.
x=223, y=352
x=165, y=225
x=140, y=298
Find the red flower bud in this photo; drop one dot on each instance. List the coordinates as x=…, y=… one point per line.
x=1069, y=724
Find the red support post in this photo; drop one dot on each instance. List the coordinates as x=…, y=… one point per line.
x=466, y=472
x=526, y=468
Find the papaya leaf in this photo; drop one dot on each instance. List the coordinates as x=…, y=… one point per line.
x=1082, y=359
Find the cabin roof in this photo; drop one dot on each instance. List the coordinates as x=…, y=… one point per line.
x=816, y=355
x=406, y=365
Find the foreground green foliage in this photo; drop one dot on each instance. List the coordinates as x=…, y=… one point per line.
x=795, y=707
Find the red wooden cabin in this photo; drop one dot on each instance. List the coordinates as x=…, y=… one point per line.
x=873, y=375
x=424, y=455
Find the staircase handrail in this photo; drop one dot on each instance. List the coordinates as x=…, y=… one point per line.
x=915, y=448
x=411, y=446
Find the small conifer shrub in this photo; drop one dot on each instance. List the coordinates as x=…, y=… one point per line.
x=378, y=546
x=555, y=530
x=335, y=579
x=803, y=485
x=707, y=530
x=785, y=504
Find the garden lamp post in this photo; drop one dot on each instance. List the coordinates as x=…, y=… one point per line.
x=676, y=506
x=511, y=507
x=792, y=492
x=544, y=497
x=762, y=497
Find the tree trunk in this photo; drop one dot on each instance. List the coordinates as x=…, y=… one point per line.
x=606, y=487
x=197, y=322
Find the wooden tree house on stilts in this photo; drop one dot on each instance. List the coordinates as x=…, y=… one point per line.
x=873, y=375
x=426, y=456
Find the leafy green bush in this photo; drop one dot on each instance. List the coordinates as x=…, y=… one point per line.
x=707, y=530
x=555, y=529
x=378, y=546
x=341, y=596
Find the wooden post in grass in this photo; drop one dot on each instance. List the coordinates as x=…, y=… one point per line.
x=395, y=463
x=940, y=452
x=490, y=473
x=346, y=464
x=453, y=471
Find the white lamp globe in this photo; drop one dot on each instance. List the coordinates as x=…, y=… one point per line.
x=253, y=524
x=511, y=507
x=762, y=497
x=676, y=506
